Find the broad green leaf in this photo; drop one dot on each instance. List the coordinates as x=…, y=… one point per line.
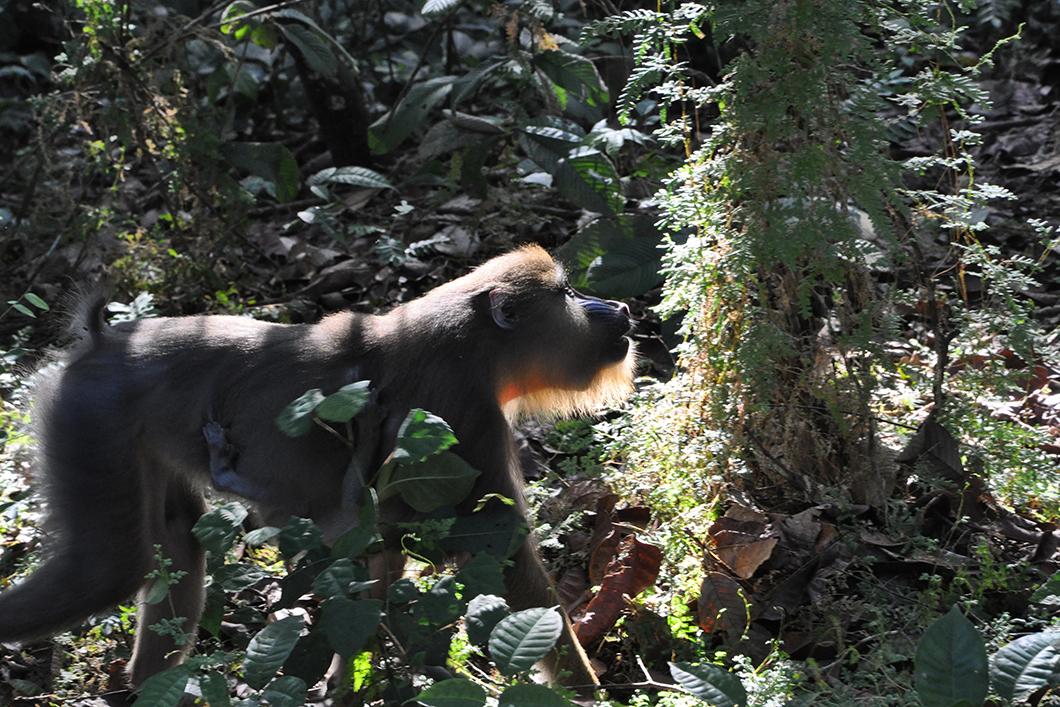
x=344, y=404
x=217, y=529
x=238, y=28
x=36, y=301
x=574, y=73
x=299, y=534
x=1049, y=589
x=615, y=257
x=349, y=624
x=286, y=691
x=525, y=637
x=498, y=529
x=531, y=696
x=442, y=480
x=950, y=663
x=482, y=575
x=260, y=536
x=159, y=590
x=335, y=580
x=271, y=161
x=710, y=683
x=421, y=435
x=484, y=612
x=547, y=145
x=353, y=176
x=296, y=419
x=402, y=591
x=315, y=50
x=437, y=7
x=239, y=576
x=456, y=692
x=408, y=115
x=268, y=650
x=587, y=178
x=310, y=658
x=214, y=689
x=164, y=689
x=628, y=268
x=1027, y=664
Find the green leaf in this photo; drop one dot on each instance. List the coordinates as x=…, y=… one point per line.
x=525, y=637
x=574, y=73
x=531, y=696
x=498, y=529
x=442, y=480
x=402, y=591
x=286, y=691
x=484, y=612
x=353, y=176
x=587, y=178
x=214, y=689
x=408, y=115
x=310, y=658
x=1027, y=664
x=345, y=403
x=36, y=301
x=268, y=650
x=315, y=50
x=260, y=536
x=22, y=309
x=710, y=683
x=271, y=161
x=421, y=435
x=628, y=268
x=437, y=7
x=298, y=535
x=159, y=590
x=296, y=419
x=615, y=257
x=237, y=9
x=335, y=580
x=547, y=145
x=950, y=663
x=239, y=576
x=456, y=692
x=217, y=529
x=1050, y=588
x=349, y=624
x=482, y=575
x=164, y=689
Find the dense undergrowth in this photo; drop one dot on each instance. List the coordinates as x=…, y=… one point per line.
x=861, y=431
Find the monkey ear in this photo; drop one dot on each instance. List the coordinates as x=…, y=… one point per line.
x=501, y=310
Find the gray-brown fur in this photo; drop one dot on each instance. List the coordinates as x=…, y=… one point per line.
x=124, y=461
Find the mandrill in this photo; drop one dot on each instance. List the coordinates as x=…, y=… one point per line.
x=121, y=428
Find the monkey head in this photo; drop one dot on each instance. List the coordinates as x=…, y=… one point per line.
x=560, y=352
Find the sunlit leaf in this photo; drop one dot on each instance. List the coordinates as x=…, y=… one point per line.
x=268, y=650
x=520, y=640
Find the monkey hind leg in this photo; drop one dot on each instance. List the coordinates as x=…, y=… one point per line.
x=171, y=520
x=100, y=556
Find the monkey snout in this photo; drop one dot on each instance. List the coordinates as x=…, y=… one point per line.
x=622, y=307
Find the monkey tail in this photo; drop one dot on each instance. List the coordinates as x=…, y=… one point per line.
x=101, y=552
x=87, y=319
